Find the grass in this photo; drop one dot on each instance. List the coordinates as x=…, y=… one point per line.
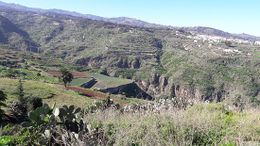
x=97, y=95
x=202, y=124
x=257, y=54
x=69, y=98
x=27, y=74
x=51, y=93
x=80, y=81
x=103, y=81
x=109, y=82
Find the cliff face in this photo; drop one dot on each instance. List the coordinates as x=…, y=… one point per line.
x=123, y=60
x=159, y=86
x=208, y=85
x=129, y=90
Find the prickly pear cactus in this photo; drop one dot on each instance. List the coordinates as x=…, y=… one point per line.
x=69, y=113
x=39, y=115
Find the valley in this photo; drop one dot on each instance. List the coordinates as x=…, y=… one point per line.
x=133, y=82
x=155, y=58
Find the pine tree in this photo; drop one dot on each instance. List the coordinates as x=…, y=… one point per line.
x=20, y=92
x=19, y=108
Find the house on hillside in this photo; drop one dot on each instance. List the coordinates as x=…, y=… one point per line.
x=257, y=43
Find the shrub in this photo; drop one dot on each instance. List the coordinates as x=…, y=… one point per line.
x=2, y=99
x=36, y=102
x=6, y=140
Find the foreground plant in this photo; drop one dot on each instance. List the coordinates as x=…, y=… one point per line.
x=57, y=126
x=2, y=104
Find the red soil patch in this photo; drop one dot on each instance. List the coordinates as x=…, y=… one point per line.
x=95, y=94
x=76, y=74
x=89, y=93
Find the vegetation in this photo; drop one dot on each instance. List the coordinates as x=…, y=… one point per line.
x=206, y=92
x=109, y=82
x=19, y=108
x=2, y=99
x=50, y=93
x=66, y=76
x=79, y=81
x=20, y=91
x=203, y=124
x=26, y=74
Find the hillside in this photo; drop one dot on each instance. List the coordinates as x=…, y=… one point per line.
x=162, y=61
x=131, y=22
x=14, y=37
x=83, y=80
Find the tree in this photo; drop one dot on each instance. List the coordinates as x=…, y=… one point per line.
x=66, y=76
x=20, y=91
x=19, y=108
x=2, y=99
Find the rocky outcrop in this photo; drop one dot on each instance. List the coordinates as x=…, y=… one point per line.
x=136, y=63
x=159, y=86
x=129, y=90
x=125, y=63
x=121, y=62
x=92, y=62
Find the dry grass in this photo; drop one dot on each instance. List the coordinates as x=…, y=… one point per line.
x=204, y=124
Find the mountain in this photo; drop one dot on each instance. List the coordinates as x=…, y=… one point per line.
x=15, y=37
x=134, y=22
x=162, y=61
x=248, y=37
x=119, y=20
x=215, y=32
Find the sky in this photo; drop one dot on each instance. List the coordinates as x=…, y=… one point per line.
x=235, y=16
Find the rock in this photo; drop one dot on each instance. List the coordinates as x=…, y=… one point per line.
x=122, y=63
x=170, y=88
x=154, y=79
x=143, y=85
x=136, y=63
x=163, y=82
x=153, y=90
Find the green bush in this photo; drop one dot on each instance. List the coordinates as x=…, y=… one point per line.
x=6, y=140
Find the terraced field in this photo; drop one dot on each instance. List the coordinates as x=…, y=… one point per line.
x=80, y=81
x=109, y=82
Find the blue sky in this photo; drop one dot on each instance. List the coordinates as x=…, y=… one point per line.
x=236, y=16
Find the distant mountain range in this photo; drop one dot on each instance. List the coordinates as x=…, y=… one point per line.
x=134, y=22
